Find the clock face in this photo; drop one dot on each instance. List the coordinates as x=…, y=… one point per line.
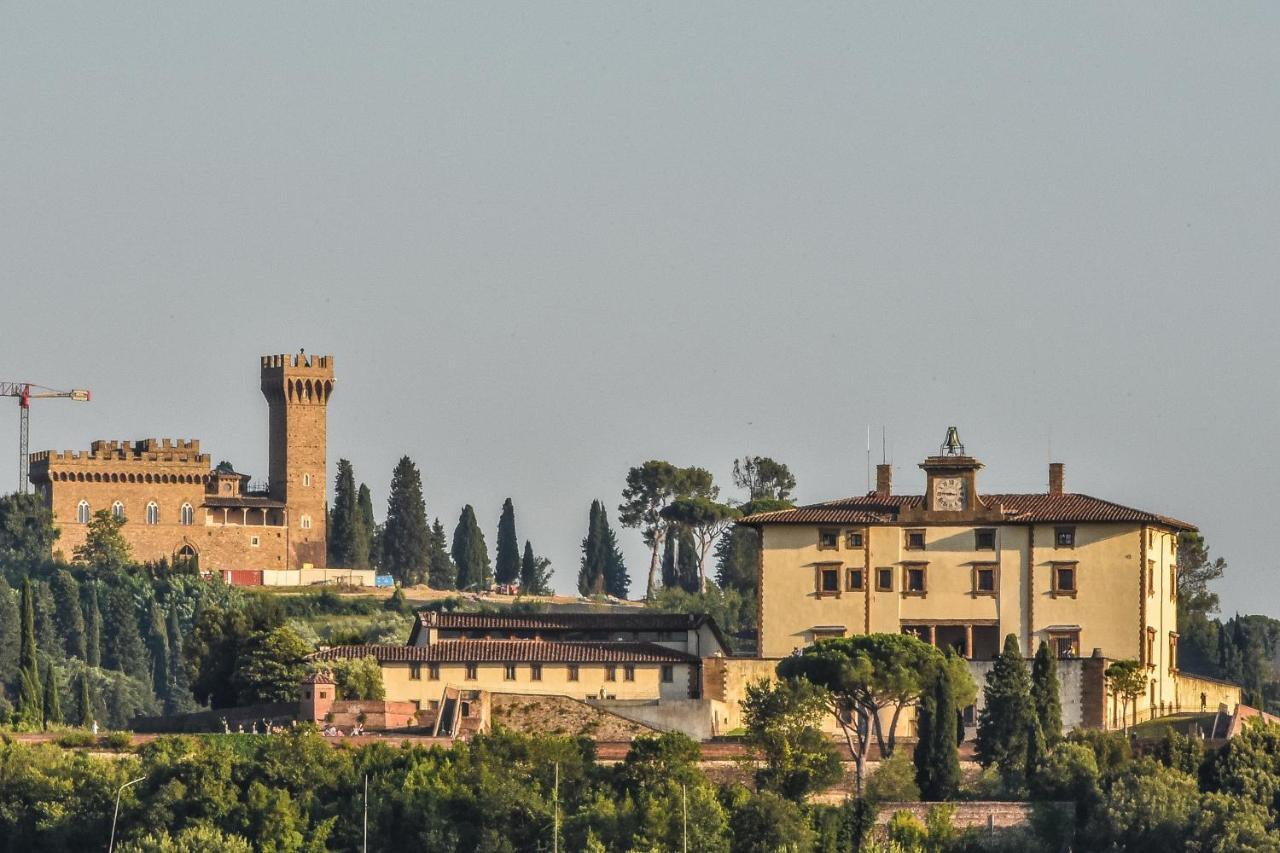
x=948, y=494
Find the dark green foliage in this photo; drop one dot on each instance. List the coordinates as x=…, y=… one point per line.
x=535, y=573
x=738, y=558
x=158, y=645
x=10, y=634
x=1179, y=751
x=763, y=478
x=30, y=710
x=270, y=667
x=52, y=697
x=48, y=637
x=782, y=720
x=686, y=559
x=506, y=567
x=469, y=552
x=122, y=646
x=937, y=759
x=704, y=518
x=29, y=713
x=177, y=695
x=405, y=541
x=348, y=540
x=27, y=531
x=104, y=548
x=650, y=487
x=1007, y=716
x=591, y=569
x=441, y=572
x=765, y=823
x=1044, y=693
x=67, y=613
x=84, y=706
x=92, y=626
x=369, y=526
x=733, y=611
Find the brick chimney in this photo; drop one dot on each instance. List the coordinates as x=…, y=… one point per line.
x=884, y=480
x=1055, y=478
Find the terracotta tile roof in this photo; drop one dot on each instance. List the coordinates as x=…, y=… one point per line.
x=1024, y=508
x=509, y=651
x=637, y=619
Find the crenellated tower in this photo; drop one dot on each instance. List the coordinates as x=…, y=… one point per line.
x=297, y=388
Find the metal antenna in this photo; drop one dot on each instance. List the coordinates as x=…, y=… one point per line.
x=684, y=817
x=555, y=826
x=366, y=813
x=868, y=457
x=884, y=452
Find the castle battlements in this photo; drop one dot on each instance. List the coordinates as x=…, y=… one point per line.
x=296, y=361
x=179, y=451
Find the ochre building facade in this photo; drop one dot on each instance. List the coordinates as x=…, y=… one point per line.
x=176, y=506
x=963, y=569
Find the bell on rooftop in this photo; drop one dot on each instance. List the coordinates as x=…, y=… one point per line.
x=951, y=446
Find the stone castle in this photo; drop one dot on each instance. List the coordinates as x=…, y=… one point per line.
x=177, y=507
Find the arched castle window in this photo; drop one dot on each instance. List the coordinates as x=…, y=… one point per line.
x=82, y=512
x=117, y=509
x=306, y=479
x=153, y=513
x=305, y=522
x=186, y=515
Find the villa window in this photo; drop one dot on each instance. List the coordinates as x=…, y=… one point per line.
x=828, y=579
x=1173, y=583
x=153, y=513
x=985, y=579
x=433, y=671
x=415, y=672
x=629, y=672
x=535, y=672
x=854, y=580
x=668, y=673
x=82, y=512
x=1064, y=537
x=1151, y=647
x=509, y=672
x=186, y=514
x=117, y=510
x=1065, y=644
x=1151, y=577
x=305, y=522
x=828, y=540
x=915, y=540
x=1173, y=651
x=913, y=579
x=884, y=580
x=611, y=672
x=1064, y=579
x=574, y=672
x=984, y=540
x=471, y=672
x=853, y=539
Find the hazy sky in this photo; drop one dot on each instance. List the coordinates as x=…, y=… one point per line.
x=548, y=241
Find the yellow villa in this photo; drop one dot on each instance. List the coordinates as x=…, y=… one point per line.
x=963, y=569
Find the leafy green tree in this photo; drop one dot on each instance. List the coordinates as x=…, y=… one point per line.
x=1044, y=693
x=767, y=823
x=1197, y=604
x=1070, y=774
x=937, y=758
x=368, y=527
x=405, y=546
x=1148, y=807
x=894, y=781
x=506, y=568
x=358, y=679
x=864, y=676
x=10, y=634
x=345, y=534
x=92, y=626
x=782, y=719
x=738, y=558
x=1127, y=680
x=271, y=666
x=104, y=548
x=441, y=572
x=686, y=558
x=1227, y=824
x=535, y=573
x=1007, y=715
x=67, y=613
x=27, y=531
x=762, y=477
x=30, y=695
x=706, y=520
x=470, y=554
x=649, y=488
x=52, y=697
x=1179, y=751
x=122, y=646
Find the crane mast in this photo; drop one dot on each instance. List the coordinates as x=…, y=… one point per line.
x=26, y=392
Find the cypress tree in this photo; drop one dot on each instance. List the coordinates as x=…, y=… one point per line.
x=344, y=518
x=178, y=689
x=92, y=628
x=1007, y=715
x=687, y=561
x=30, y=698
x=48, y=637
x=1044, y=692
x=442, y=573
x=669, y=576
x=363, y=555
x=470, y=553
x=406, y=537
x=158, y=642
x=506, y=566
x=67, y=613
x=535, y=573
x=10, y=634
x=86, y=704
x=937, y=759
x=122, y=647
x=616, y=581
x=591, y=569
x=52, y=700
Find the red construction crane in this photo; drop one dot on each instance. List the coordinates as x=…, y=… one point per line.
x=26, y=392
